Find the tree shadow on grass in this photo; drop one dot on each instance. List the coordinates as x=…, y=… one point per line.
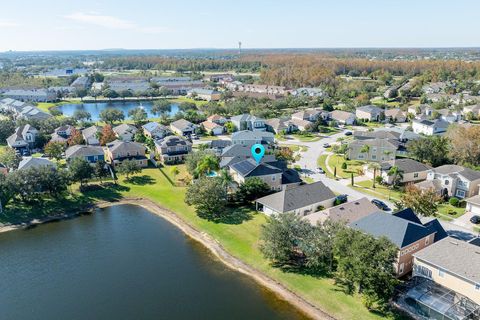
x=141, y=180
x=230, y=215
x=105, y=192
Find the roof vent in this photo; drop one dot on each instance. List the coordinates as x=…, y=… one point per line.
x=357, y=203
x=342, y=208
x=454, y=243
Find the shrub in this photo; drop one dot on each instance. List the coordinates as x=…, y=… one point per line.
x=454, y=201
x=344, y=166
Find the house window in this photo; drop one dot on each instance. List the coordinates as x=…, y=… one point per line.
x=460, y=193
x=374, y=157
x=477, y=287
x=427, y=241
x=360, y=156
x=273, y=178
x=441, y=273
x=415, y=175
x=446, y=182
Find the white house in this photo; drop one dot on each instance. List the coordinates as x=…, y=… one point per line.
x=429, y=127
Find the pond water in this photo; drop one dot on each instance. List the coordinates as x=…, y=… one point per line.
x=123, y=263
x=95, y=108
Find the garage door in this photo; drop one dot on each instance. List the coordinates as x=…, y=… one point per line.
x=473, y=208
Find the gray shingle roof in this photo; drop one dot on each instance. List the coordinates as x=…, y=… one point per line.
x=467, y=173
x=297, y=197
x=406, y=165
x=83, y=151
x=30, y=162
x=252, y=135
x=463, y=258
x=400, y=231
x=249, y=168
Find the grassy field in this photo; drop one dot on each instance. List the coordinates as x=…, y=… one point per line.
x=240, y=237
x=306, y=137
x=353, y=166
x=380, y=191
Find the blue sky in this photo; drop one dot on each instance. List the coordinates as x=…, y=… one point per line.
x=159, y=24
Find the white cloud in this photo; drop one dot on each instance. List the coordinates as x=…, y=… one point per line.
x=8, y=24
x=112, y=22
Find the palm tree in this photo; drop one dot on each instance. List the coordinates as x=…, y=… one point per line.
x=387, y=153
x=397, y=175
x=208, y=164
x=366, y=149
x=375, y=166
x=226, y=178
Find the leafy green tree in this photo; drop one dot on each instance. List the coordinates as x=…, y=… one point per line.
x=423, y=202
x=397, y=175
x=208, y=195
x=138, y=115
x=82, y=115
x=7, y=128
x=230, y=127
x=129, y=167
x=100, y=170
x=281, y=237
x=433, y=150
x=139, y=137
x=193, y=159
x=206, y=165
x=162, y=107
x=80, y=170
x=111, y=116
x=252, y=189
x=10, y=159
x=375, y=166
x=55, y=150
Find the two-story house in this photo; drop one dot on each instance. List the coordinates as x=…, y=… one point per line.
x=173, y=149
x=23, y=138
x=119, y=151
x=395, y=115
x=248, y=122
x=429, y=127
x=302, y=200
x=374, y=149
x=370, y=113
x=278, y=125
x=452, y=181
x=91, y=135
x=405, y=231
x=249, y=168
x=250, y=138
x=412, y=171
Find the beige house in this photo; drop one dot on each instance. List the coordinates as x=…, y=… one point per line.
x=395, y=115
x=342, y=117
x=453, y=181
x=118, y=151
x=173, y=149
x=375, y=150
x=301, y=200
x=347, y=212
x=412, y=171
x=473, y=205
x=453, y=264
x=369, y=113
x=249, y=168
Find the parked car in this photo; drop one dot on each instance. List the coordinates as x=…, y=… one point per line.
x=475, y=219
x=348, y=133
x=320, y=170
x=380, y=205
x=194, y=136
x=326, y=145
x=341, y=199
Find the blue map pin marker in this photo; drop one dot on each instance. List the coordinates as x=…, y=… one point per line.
x=258, y=151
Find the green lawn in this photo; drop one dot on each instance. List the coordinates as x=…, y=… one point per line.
x=240, y=239
x=353, y=166
x=308, y=137
x=380, y=191
x=295, y=147
x=450, y=211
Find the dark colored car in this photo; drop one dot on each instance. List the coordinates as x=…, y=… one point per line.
x=348, y=133
x=341, y=199
x=320, y=170
x=380, y=205
x=326, y=145
x=475, y=219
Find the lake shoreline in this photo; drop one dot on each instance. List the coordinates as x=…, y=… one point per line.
x=208, y=242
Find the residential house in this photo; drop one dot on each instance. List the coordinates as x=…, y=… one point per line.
x=261, y=88
x=342, y=117
x=238, y=152
x=125, y=132
x=277, y=126
x=212, y=128
x=173, y=149
x=204, y=94
x=248, y=122
x=270, y=173
x=452, y=181
x=309, y=92
x=22, y=110
x=346, y=213
x=218, y=119
x=449, y=115
x=119, y=151
x=250, y=138
x=369, y=113
x=183, y=127
x=34, y=95
x=301, y=200
x=81, y=83
x=133, y=85
x=434, y=87
x=429, y=127
x=89, y=153
x=412, y=171
x=64, y=131
x=155, y=130
x=473, y=204
x=404, y=230
x=474, y=110
x=311, y=115
x=178, y=85
x=302, y=125
x=395, y=115
x=91, y=135
x=217, y=146
x=452, y=264
x=377, y=150
x=420, y=111
x=23, y=138
x=30, y=162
